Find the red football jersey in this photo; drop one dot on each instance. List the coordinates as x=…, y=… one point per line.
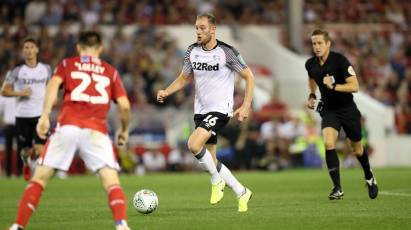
x=90, y=84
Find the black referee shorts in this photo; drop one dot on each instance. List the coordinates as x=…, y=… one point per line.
x=213, y=122
x=26, y=132
x=349, y=118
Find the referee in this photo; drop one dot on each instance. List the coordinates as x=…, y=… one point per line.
x=336, y=79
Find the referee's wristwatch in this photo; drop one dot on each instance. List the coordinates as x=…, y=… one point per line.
x=334, y=85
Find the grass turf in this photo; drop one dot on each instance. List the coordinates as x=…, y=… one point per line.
x=294, y=199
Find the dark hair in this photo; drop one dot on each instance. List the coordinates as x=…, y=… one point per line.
x=322, y=32
x=89, y=38
x=31, y=40
x=209, y=16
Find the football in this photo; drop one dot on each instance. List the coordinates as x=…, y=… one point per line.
x=145, y=201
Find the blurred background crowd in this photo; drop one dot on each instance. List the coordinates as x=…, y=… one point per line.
x=275, y=137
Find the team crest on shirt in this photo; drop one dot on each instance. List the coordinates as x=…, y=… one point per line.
x=85, y=59
x=351, y=71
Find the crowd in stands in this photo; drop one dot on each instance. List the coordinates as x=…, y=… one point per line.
x=357, y=11
x=149, y=59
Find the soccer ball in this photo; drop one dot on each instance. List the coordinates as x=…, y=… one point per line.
x=145, y=201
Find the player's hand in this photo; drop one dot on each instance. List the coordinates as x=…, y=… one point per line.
x=242, y=112
x=162, y=95
x=43, y=126
x=122, y=138
x=26, y=92
x=310, y=103
x=328, y=81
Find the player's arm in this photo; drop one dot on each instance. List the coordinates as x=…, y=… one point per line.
x=50, y=98
x=350, y=86
x=244, y=109
x=8, y=91
x=181, y=81
x=312, y=86
x=123, y=105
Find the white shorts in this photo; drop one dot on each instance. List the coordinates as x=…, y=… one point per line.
x=94, y=147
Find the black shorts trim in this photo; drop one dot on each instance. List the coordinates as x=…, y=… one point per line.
x=212, y=122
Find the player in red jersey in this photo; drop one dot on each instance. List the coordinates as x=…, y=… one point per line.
x=89, y=84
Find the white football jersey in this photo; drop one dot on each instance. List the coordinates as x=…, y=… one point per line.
x=36, y=78
x=214, y=74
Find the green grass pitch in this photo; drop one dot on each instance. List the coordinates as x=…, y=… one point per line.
x=293, y=199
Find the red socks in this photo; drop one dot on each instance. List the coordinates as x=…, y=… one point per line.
x=117, y=203
x=32, y=194
x=28, y=203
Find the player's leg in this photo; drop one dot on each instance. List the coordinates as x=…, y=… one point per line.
x=362, y=157
x=225, y=173
x=116, y=197
x=330, y=137
x=24, y=144
x=196, y=144
x=243, y=193
x=58, y=154
x=370, y=179
x=96, y=150
x=352, y=127
x=31, y=196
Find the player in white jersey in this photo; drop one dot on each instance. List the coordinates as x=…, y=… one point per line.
x=28, y=82
x=214, y=66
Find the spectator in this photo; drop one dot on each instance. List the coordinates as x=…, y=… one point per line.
x=8, y=110
x=154, y=160
x=180, y=159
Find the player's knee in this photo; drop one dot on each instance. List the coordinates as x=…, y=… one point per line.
x=109, y=177
x=329, y=144
x=43, y=174
x=40, y=179
x=358, y=149
x=194, y=146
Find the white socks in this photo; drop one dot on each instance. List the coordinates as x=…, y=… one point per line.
x=221, y=172
x=206, y=160
x=230, y=180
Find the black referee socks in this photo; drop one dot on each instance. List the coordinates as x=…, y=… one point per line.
x=365, y=163
x=333, y=165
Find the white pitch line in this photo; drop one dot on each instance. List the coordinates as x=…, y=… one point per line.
x=395, y=193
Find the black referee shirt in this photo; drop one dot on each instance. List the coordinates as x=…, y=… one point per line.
x=338, y=67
